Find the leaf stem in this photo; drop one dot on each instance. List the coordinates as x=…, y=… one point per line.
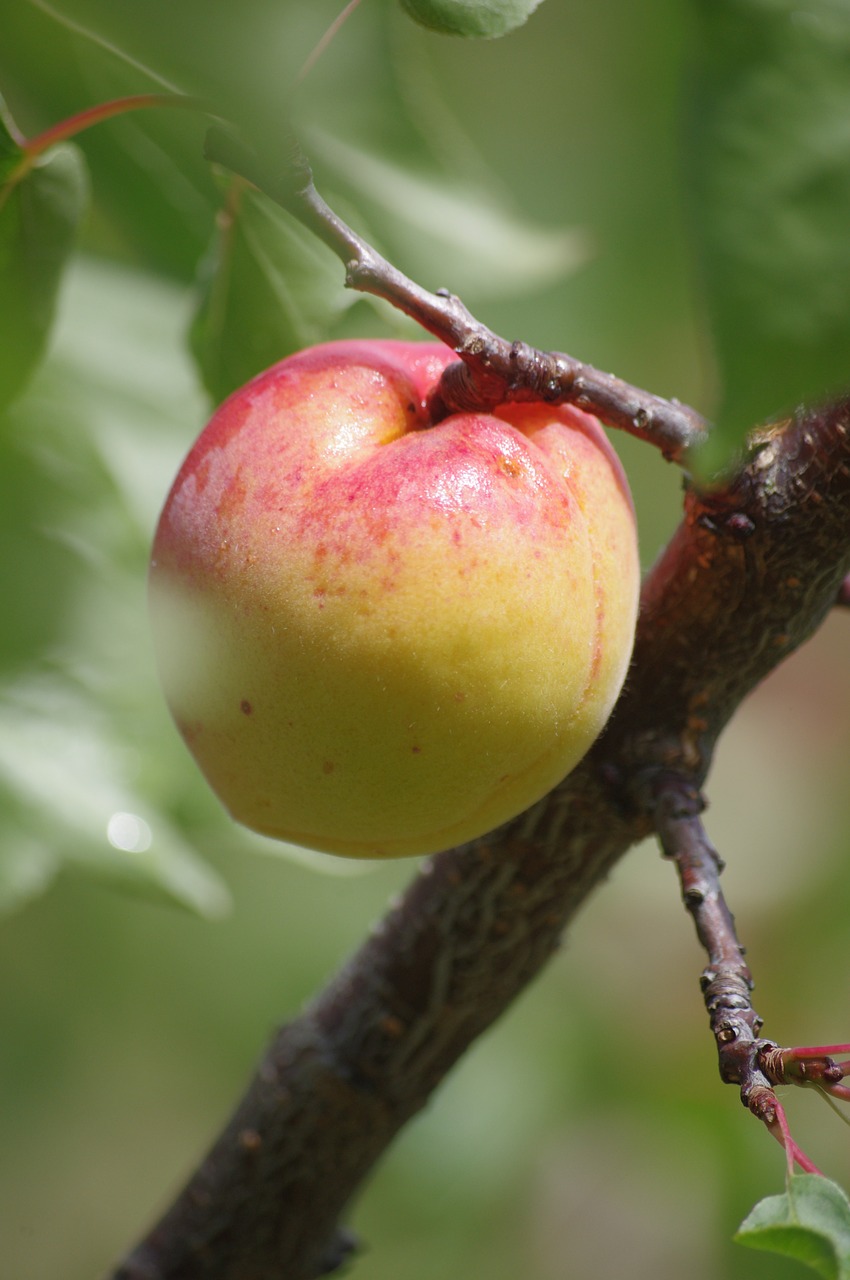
x=32, y=148
x=793, y=1154
x=82, y=120
x=317, y=51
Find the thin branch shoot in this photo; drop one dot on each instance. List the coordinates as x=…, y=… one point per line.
x=493, y=370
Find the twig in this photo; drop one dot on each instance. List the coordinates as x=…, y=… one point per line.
x=726, y=981
x=493, y=370
x=745, y=1058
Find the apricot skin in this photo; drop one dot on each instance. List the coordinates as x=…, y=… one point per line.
x=381, y=637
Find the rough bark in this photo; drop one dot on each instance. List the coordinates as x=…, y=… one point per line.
x=750, y=574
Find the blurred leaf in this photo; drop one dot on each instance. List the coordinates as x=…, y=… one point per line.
x=230, y=56
x=471, y=17
x=811, y=1223
x=64, y=770
x=769, y=189
x=26, y=868
x=481, y=244
x=40, y=214
x=11, y=150
x=92, y=775
x=270, y=288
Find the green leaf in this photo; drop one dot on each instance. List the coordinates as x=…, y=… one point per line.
x=486, y=18
x=769, y=189
x=269, y=288
x=811, y=1223
x=40, y=214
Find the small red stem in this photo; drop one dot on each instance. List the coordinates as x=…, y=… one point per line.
x=75, y=124
x=804, y=1053
x=323, y=43
x=32, y=148
x=793, y=1154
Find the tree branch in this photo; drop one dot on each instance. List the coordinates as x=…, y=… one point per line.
x=750, y=574
x=726, y=981
x=493, y=370
x=745, y=1059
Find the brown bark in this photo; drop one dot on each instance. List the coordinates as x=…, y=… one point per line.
x=749, y=575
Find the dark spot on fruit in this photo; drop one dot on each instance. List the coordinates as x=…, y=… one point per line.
x=328, y=766
x=245, y=707
x=417, y=751
x=510, y=467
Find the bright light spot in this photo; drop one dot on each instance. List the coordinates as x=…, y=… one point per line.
x=129, y=832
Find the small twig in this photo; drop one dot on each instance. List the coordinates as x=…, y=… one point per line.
x=493, y=370
x=755, y=1064
x=726, y=980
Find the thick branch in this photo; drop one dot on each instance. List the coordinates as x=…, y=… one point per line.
x=750, y=574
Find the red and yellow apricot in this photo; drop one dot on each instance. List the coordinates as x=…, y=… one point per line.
x=380, y=635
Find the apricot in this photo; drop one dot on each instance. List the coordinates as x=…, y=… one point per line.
x=380, y=635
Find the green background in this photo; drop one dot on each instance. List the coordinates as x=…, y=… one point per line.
x=541, y=176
